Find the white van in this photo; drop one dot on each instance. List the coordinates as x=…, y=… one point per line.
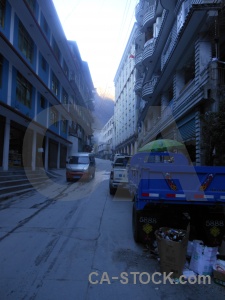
x=80, y=165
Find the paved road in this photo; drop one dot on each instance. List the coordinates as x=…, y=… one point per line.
x=74, y=241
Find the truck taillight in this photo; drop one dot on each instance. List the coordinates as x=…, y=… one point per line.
x=170, y=182
x=206, y=183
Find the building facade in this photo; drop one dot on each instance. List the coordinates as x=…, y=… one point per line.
x=180, y=54
x=45, y=88
x=105, y=141
x=126, y=105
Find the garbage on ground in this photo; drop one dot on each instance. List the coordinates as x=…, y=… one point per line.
x=189, y=274
x=203, y=258
x=190, y=248
x=219, y=272
x=172, y=247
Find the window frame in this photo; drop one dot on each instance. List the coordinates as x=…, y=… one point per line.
x=55, y=84
x=2, y=13
x=1, y=69
x=54, y=117
x=23, y=90
x=64, y=125
x=25, y=42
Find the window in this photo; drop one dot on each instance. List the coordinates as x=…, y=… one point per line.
x=2, y=12
x=55, y=49
x=26, y=44
x=1, y=68
x=42, y=102
x=65, y=69
x=78, y=160
x=23, y=90
x=64, y=125
x=55, y=84
x=32, y=4
x=64, y=97
x=45, y=25
x=43, y=63
x=53, y=117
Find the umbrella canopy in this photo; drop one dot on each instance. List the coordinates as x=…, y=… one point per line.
x=161, y=145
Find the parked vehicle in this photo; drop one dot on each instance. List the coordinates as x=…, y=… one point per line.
x=118, y=174
x=80, y=165
x=168, y=191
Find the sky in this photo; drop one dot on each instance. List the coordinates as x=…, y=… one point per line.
x=101, y=29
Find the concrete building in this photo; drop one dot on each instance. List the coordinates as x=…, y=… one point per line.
x=180, y=54
x=45, y=88
x=105, y=142
x=126, y=105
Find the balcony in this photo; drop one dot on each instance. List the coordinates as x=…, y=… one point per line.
x=206, y=1
x=139, y=12
x=148, y=51
x=149, y=17
x=167, y=111
x=140, y=38
x=149, y=88
x=138, y=59
x=138, y=85
x=217, y=73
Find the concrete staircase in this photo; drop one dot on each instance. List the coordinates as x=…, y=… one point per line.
x=18, y=181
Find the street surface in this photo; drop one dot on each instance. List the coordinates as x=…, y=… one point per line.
x=73, y=241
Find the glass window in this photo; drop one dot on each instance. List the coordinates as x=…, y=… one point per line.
x=26, y=44
x=53, y=117
x=122, y=161
x=65, y=69
x=23, y=90
x=55, y=84
x=64, y=125
x=65, y=97
x=43, y=63
x=45, y=25
x=2, y=12
x=42, y=102
x=1, y=67
x=78, y=160
x=55, y=49
x=32, y=4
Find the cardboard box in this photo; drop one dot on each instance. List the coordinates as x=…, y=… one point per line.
x=172, y=254
x=219, y=277
x=219, y=272
x=203, y=258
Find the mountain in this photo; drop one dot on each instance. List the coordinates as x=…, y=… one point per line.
x=104, y=109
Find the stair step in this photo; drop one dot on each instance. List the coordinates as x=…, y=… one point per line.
x=16, y=182
x=15, y=193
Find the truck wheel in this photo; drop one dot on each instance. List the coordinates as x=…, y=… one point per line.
x=136, y=233
x=112, y=191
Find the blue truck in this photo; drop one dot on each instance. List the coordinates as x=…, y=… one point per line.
x=168, y=191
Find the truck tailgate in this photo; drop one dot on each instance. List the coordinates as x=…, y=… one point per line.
x=120, y=175
x=183, y=183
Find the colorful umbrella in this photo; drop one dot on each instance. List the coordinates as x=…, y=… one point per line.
x=161, y=145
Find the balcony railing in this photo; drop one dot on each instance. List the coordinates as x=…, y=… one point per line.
x=149, y=48
x=138, y=85
x=217, y=73
x=139, y=12
x=140, y=38
x=149, y=16
x=149, y=87
x=205, y=1
x=138, y=58
x=181, y=19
